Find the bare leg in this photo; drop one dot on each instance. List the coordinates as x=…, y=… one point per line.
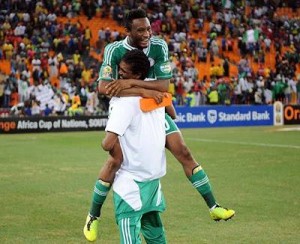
x=112, y=165
x=176, y=145
x=193, y=171
x=105, y=179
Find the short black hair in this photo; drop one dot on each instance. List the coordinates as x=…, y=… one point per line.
x=133, y=14
x=138, y=62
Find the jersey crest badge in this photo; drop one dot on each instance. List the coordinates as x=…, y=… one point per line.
x=106, y=72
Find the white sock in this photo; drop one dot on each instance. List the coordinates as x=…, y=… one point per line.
x=213, y=207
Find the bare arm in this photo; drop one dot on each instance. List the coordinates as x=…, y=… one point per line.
x=109, y=141
x=132, y=87
x=115, y=87
x=170, y=110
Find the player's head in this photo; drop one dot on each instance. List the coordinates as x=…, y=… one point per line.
x=138, y=28
x=134, y=65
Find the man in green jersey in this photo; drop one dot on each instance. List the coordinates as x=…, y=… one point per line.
x=139, y=35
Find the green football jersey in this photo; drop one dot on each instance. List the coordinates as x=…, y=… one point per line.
x=157, y=53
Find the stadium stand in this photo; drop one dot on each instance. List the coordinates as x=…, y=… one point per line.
x=246, y=50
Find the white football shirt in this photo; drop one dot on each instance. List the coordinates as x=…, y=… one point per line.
x=142, y=138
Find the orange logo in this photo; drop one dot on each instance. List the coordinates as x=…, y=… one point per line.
x=7, y=126
x=291, y=113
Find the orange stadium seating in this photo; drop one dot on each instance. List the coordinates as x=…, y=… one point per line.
x=97, y=22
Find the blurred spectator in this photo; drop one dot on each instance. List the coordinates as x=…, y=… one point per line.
x=43, y=51
x=89, y=8
x=35, y=108
x=92, y=101
x=75, y=108
x=213, y=96
x=59, y=104
x=298, y=90
x=47, y=111
x=2, y=88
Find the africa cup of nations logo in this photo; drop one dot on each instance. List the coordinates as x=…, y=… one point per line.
x=212, y=116
x=107, y=72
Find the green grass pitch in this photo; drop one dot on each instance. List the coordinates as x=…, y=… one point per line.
x=46, y=182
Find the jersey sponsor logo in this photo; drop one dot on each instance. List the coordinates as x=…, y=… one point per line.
x=165, y=68
x=106, y=72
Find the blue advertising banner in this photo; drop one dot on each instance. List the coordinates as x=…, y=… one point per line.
x=223, y=116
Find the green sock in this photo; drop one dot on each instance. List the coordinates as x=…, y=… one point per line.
x=101, y=190
x=201, y=182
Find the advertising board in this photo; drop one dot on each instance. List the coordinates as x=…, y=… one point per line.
x=222, y=116
x=53, y=124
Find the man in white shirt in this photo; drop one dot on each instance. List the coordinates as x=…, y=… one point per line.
x=137, y=191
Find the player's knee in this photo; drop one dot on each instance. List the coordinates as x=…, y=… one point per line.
x=182, y=151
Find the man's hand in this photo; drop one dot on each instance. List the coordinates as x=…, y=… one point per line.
x=156, y=95
x=114, y=87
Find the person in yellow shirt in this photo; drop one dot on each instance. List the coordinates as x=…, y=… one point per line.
x=65, y=96
x=86, y=75
x=213, y=71
x=6, y=26
x=213, y=96
x=39, y=8
x=87, y=40
x=76, y=57
x=56, y=42
x=8, y=50
x=87, y=33
x=190, y=99
x=219, y=71
x=75, y=108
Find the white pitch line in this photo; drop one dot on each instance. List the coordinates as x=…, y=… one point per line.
x=245, y=143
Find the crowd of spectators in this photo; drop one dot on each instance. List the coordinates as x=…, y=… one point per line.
x=53, y=73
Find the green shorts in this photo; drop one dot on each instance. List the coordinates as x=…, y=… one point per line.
x=170, y=125
x=133, y=219
x=149, y=224
x=138, y=198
